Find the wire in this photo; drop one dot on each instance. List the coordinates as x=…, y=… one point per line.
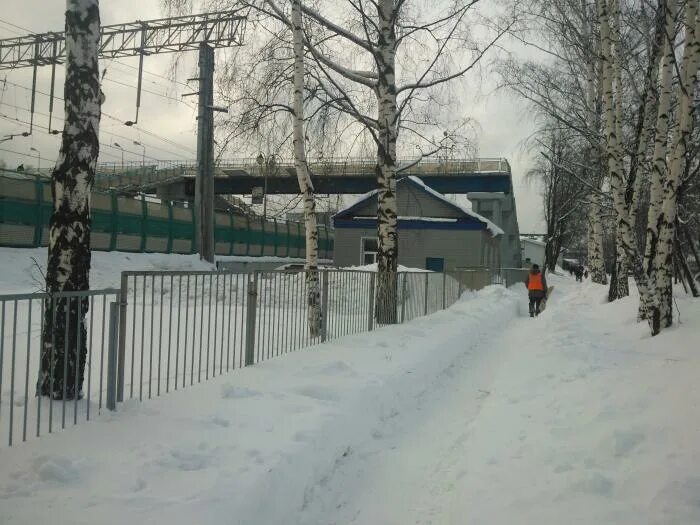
x=123, y=64
x=167, y=97
x=111, y=133
x=19, y=153
x=7, y=22
x=103, y=144
x=112, y=117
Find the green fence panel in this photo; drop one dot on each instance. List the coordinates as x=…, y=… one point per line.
x=281, y=239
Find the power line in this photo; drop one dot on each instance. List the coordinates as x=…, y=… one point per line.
x=123, y=64
x=7, y=22
x=151, y=92
x=102, y=144
x=112, y=117
x=111, y=133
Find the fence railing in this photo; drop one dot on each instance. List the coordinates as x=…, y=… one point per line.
x=34, y=357
x=165, y=331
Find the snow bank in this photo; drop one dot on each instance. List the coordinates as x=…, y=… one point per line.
x=254, y=446
x=477, y=414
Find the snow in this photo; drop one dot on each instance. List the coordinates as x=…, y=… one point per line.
x=20, y=273
x=477, y=414
x=409, y=218
x=375, y=267
x=533, y=241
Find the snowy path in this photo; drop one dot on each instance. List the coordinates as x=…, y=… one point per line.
x=476, y=415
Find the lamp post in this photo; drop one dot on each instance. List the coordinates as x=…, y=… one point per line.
x=143, y=156
x=39, y=152
x=263, y=163
x=117, y=145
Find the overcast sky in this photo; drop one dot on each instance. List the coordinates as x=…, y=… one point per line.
x=168, y=124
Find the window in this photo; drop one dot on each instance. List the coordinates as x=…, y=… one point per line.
x=370, y=247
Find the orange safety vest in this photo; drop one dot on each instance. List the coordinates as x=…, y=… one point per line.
x=534, y=282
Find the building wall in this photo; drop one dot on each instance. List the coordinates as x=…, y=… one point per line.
x=533, y=251
x=500, y=209
x=459, y=248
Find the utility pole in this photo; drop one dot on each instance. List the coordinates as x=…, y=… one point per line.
x=204, y=32
x=204, y=184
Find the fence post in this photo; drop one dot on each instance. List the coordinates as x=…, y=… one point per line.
x=403, y=297
x=370, y=315
x=324, y=306
x=444, y=290
x=123, y=304
x=427, y=275
x=251, y=316
x=112, y=357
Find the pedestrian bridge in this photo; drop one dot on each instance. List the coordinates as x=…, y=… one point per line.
x=175, y=180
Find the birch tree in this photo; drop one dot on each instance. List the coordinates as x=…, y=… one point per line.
x=564, y=32
x=625, y=231
x=383, y=95
x=304, y=177
x=64, y=349
x=665, y=218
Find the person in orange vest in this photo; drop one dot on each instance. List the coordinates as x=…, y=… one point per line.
x=536, y=289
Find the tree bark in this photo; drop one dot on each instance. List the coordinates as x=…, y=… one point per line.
x=313, y=285
x=626, y=234
x=621, y=280
x=596, y=262
x=68, y=269
x=659, y=166
x=387, y=255
x=666, y=218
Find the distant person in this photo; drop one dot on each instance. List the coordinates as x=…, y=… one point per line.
x=536, y=289
x=585, y=273
x=579, y=273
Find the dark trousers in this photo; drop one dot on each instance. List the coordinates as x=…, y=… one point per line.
x=535, y=302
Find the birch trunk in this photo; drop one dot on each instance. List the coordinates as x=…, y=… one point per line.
x=387, y=255
x=313, y=285
x=646, y=120
x=621, y=282
x=666, y=220
x=596, y=262
x=68, y=268
x=659, y=166
x=646, y=288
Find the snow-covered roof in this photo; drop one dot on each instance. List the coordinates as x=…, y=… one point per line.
x=490, y=226
x=532, y=241
x=495, y=230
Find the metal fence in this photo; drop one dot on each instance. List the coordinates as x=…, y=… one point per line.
x=164, y=331
x=24, y=332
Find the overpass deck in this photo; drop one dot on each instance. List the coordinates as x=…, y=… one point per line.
x=350, y=176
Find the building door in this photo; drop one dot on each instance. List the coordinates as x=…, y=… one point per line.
x=435, y=264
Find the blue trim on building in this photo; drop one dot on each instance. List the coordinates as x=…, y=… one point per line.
x=412, y=225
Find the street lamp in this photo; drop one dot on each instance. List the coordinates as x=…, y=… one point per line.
x=143, y=156
x=39, y=152
x=261, y=162
x=117, y=145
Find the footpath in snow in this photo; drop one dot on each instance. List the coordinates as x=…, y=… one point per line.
x=475, y=415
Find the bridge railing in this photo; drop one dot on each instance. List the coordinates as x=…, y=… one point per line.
x=116, y=174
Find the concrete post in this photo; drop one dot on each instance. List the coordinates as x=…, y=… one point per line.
x=204, y=184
